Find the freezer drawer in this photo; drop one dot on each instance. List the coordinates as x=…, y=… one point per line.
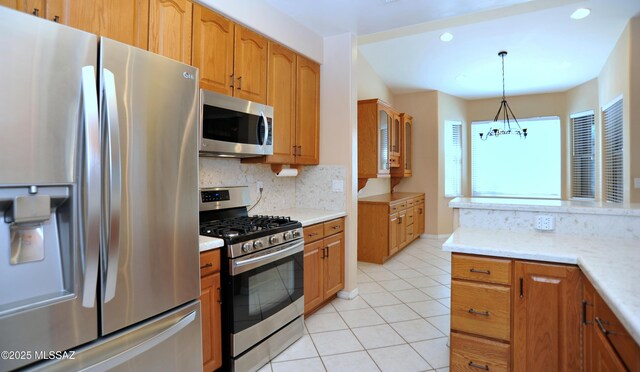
x=170, y=342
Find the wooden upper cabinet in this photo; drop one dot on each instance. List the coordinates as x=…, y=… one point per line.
x=307, y=111
x=374, y=125
x=250, y=61
x=13, y=4
x=35, y=7
x=126, y=21
x=213, y=37
x=395, y=136
x=80, y=14
x=170, y=29
x=546, y=317
x=282, y=96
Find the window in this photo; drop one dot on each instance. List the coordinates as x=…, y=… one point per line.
x=583, y=152
x=613, y=171
x=511, y=166
x=452, y=158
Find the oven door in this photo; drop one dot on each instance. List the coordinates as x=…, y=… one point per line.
x=235, y=127
x=266, y=293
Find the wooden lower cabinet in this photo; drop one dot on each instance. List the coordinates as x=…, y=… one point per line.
x=323, y=262
x=211, y=310
x=546, y=317
x=530, y=308
x=388, y=223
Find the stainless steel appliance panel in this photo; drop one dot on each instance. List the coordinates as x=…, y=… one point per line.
x=170, y=342
x=150, y=184
x=40, y=104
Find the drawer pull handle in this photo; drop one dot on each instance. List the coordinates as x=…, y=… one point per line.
x=209, y=264
x=219, y=296
x=313, y=234
x=336, y=227
x=474, y=311
x=604, y=330
x=488, y=272
x=479, y=366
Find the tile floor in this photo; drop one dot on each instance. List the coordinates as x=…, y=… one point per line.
x=399, y=322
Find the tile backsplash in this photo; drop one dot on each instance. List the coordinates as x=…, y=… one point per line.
x=310, y=189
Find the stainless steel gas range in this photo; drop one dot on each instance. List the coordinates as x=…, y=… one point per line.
x=262, y=277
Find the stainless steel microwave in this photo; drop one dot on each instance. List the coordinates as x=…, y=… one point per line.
x=234, y=127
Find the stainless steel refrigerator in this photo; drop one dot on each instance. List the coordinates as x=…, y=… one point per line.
x=98, y=203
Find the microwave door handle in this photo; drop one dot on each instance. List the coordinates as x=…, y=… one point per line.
x=114, y=171
x=265, y=123
x=90, y=187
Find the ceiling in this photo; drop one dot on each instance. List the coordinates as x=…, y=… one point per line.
x=548, y=51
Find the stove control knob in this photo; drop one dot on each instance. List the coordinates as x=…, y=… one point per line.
x=273, y=239
x=296, y=233
x=246, y=247
x=257, y=244
x=287, y=235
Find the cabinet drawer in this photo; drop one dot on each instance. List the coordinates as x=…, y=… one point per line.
x=393, y=208
x=616, y=334
x=209, y=262
x=483, y=269
x=411, y=203
x=333, y=227
x=481, y=309
x=409, y=216
x=470, y=353
x=313, y=233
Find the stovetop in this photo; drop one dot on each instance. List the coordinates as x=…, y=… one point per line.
x=240, y=229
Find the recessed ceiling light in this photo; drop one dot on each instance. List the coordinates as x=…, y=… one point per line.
x=389, y=1
x=446, y=37
x=581, y=13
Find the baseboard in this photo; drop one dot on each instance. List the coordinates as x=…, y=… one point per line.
x=348, y=295
x=434, y=236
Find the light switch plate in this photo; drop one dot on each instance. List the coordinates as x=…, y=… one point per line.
x=337, y=186
x=636, y=183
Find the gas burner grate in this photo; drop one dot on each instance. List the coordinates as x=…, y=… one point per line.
x=240, y=226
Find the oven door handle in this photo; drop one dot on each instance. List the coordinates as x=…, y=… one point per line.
x=242, y=265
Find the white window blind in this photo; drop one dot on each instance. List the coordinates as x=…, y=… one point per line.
x=583, y=153
x=613, y=167
x=510, y=166
x=453, y=158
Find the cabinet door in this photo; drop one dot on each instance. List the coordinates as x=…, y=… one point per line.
x=395, y=137
x=333, y=264
x=419, y=218
x=313, y=267
x=126, y=21
x=13, y=4
x=546, y=317
x=282, y=96
x=394, y=223
x=384, y=129
x=406, y=142
x=307, y=111
x=602, y=357
x=170, y=29
x=402, y=229
x=80, y=14
x=213, y=50
x=211, y=322
x=35, y=7
x=250, y=65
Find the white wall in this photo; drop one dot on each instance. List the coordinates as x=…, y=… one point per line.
x=339, y=135
x=264, y=19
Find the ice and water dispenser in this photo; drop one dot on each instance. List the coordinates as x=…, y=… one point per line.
x=36, y=233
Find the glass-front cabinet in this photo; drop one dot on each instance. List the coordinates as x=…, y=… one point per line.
x=384, y=129
x=395, y=141
x=407, y=122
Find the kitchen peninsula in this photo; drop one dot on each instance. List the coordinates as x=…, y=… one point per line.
x=549, y=282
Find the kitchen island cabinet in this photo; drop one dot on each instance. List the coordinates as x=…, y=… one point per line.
x=387, y=223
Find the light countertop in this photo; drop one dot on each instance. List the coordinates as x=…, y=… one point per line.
x=208, y=243
x=390, y=197
x=560, y=206
x=308, y=216
x=611, y=265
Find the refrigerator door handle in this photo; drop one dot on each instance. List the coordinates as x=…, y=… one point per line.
x=90, y=186
x=145, y=345
x=114, y=193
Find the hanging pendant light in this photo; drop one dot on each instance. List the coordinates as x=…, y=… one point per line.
x=503, y=113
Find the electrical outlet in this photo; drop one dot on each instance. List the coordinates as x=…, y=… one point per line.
x=260, y=185
x=636, y=183
x=545, y=222
x=337, y=186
